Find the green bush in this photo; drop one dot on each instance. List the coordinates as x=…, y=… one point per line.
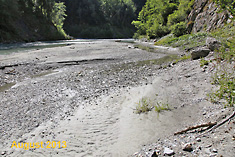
x=157, y=30
x=179, y=29
x=176, y=17
x=159, y=17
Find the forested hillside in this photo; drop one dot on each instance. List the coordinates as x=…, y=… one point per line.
x=30, y=20
x=101, y=18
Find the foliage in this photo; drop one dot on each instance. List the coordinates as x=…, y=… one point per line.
x=153, y=18
x=226, y=81
x=100, y=18
x=179, y=29
x=160, y=17
x=22, y=17
x=228, y=5
x=224, y=75
x=58, y=14
x=181, y=13
x=185, y=42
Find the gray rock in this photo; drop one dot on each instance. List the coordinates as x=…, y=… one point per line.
x=188, y=147
x=168, y=151
x=214, y=150
x=212, y=43
x=198, y=140
x=199, y=53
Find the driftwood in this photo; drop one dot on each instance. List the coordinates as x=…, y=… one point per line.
x=219, y=124
x=210, y=124
x=12, y=65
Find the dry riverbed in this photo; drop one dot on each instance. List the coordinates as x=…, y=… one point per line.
x=85, y=93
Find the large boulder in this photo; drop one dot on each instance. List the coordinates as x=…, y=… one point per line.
x=199, y=53
x=212, y=44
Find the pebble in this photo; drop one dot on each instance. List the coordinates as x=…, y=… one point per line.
x=214, y=150
x=198, y=140
x=188, y=147
x=3, y=153
x=168, y=151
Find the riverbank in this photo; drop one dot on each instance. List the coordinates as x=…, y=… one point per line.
x=86, y=94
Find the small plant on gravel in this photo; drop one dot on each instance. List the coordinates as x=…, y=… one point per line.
x=203, y=62
x=185, y=57
x=224, y=74
x=144, y=105
x=161, y=107
x=225, y=78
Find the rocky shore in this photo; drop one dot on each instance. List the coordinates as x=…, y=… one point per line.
x=86, y=94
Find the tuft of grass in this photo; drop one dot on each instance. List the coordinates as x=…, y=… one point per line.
x=185, y=57
x=224, y=73
x=161, y=107
x=144, y=105
x=203, y=62
x=187, y=42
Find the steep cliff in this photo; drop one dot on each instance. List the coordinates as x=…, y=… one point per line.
x=206, y=16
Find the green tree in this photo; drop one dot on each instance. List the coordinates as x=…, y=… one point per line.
x=160, y=17
x=153, y=18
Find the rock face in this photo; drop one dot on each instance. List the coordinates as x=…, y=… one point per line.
x=204, y=16
x=200, y=52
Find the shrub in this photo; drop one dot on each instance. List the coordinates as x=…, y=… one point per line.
x=179, y=29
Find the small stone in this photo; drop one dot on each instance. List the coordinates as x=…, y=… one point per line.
x=3, y=153
x=155, y=154
x=208, y=146
x=198, y=140
x=214, y=150
x=188, y=147
x=168, y=151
